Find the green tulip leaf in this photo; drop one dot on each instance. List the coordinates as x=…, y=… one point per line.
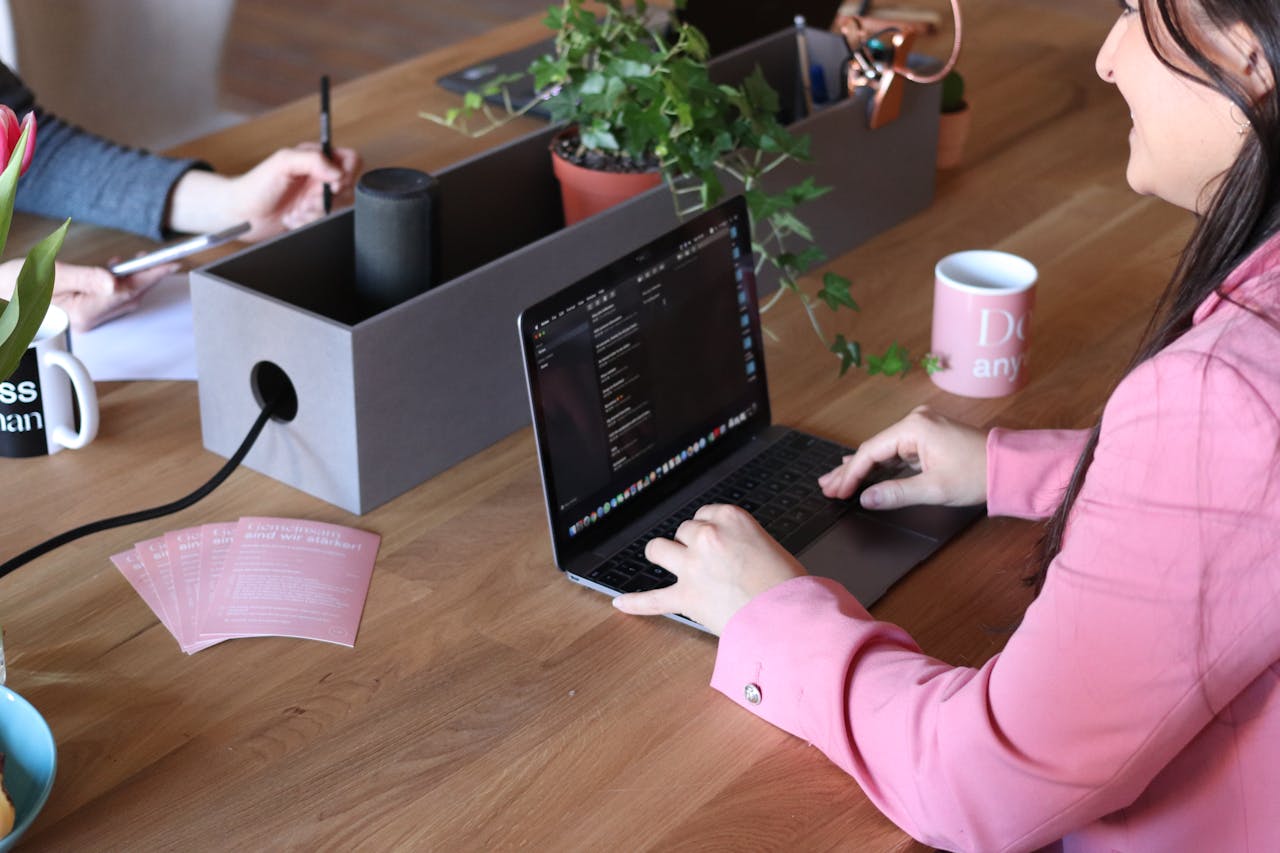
x=8, y=319
x=31, y=298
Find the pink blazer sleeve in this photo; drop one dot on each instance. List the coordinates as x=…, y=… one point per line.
x=1028, y=470
x=1158, y=612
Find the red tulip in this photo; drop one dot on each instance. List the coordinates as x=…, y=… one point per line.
x=11, y=130
x=8, y=133
x=29, y=125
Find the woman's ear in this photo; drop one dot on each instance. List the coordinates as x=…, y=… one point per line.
x=1261, y=74
x=1246, y=58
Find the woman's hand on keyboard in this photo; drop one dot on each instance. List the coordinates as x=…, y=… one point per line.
x=722, y=558
x=950, y=458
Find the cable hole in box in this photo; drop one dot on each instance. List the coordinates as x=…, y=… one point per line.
x=269, y=381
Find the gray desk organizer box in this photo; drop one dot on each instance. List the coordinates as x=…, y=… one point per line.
x=387, y=402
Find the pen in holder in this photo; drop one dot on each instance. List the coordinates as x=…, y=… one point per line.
x=326, y=138
x=805, y=71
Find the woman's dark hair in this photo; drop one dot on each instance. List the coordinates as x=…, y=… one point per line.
x=1242, y=213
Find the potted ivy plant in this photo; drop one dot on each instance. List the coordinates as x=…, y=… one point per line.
x=640, y=106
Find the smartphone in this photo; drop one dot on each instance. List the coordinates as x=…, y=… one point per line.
x=174, y=251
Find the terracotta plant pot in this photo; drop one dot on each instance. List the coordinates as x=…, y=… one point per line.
x=953, y=132
x=585, y=192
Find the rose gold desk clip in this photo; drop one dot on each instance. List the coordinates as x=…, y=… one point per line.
x=879, y=53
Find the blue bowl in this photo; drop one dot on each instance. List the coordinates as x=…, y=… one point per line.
x=29, y=761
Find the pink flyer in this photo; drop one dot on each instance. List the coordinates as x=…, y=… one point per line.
x=215, y=541
x=155, y=556
x=292, y=578
x=131, y=566
x=183, y=547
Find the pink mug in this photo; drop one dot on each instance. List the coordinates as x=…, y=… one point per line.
x=982, y=303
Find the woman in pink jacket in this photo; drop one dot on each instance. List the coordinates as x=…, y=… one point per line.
x=1137, y=706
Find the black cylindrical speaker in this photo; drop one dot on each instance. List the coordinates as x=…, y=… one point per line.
x=394, y=236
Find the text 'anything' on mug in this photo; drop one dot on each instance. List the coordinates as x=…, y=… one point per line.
x=38, y=402
x=982, y=304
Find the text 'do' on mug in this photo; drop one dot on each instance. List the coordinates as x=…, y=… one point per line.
x=39, y=402
x=982, y=304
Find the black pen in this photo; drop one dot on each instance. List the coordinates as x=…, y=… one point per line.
x=326, y=137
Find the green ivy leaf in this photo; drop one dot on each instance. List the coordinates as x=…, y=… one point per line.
x=894, y=362
x=770, y=144
x=599, y=138
x=786, y=261
x=615, y=94
x=697, y=42
x=850, y=353
x=835, y=292
x=548, y=70
x=712, y=190
x=806, y=190
x=798, y=147
x=759, y=94
x=762, y=205
x=809, y=257
x=787, y=223
x=932, y=364
x=631, y=68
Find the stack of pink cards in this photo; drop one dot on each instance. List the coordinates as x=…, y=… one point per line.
x=259, y=577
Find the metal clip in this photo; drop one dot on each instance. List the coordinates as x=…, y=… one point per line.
x=888, y=83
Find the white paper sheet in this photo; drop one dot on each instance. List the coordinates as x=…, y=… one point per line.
x=154, y=341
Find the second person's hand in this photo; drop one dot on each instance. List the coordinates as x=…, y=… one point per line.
x=92, y=295
x=284, y=191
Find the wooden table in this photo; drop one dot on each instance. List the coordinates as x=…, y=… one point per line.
x=489, y=703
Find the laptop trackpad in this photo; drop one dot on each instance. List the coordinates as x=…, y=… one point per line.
x=865, y=556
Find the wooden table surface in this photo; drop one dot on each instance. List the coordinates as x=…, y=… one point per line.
x=489, y=703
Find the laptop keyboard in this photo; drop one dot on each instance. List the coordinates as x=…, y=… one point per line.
x=779, y=487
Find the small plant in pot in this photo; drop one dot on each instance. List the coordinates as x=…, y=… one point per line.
x=641, y=106
x=953, y=124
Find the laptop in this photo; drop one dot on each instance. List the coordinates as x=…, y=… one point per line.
x=726, y=26
x=649, y=398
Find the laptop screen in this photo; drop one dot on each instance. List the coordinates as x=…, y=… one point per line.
x=643, y=374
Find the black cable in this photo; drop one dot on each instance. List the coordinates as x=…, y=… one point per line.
x=155, y=512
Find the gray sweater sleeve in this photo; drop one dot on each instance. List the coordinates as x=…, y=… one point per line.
x=90, y=179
